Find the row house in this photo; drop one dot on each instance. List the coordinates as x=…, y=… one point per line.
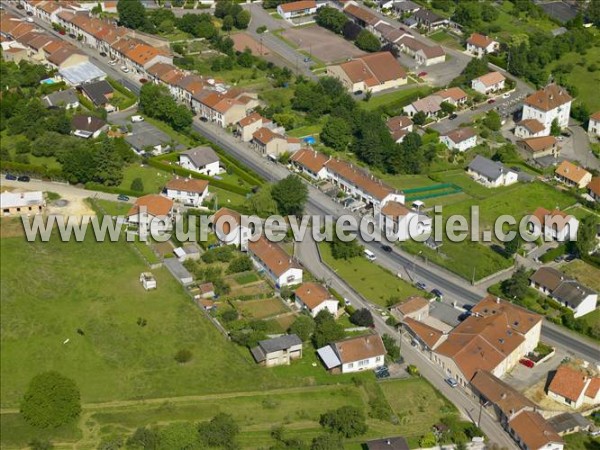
x=224, y=109
x=362, y=17
x=272, y=260
x=400, y=223
x=424, y=54
x=246, y=127
x=188, y=86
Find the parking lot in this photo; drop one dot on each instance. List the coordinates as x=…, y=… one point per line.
x=322, y=43
x=143, y=134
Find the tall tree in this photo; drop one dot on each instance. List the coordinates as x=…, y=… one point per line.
x=336, y=133
x=132, y=14
x=290, y=194
x=367, y=41
x=586, y=235
x=221, y=431
x=348, y=421
x=555, y=128
x=303, y=327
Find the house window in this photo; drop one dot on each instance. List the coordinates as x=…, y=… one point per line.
x=378, y=359
x=350, y=365
x=363, y=363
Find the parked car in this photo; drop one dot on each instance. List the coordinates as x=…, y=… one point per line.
x=112, y=62
x=526, y=362
x=103, y=54
x=137, y=119
x=346, y=301
x=386, y=248
x=306, y=60
x=506, y=95
x=452, y=382
x=491, y=100
x=10, y=176
x=453, y=116
x=203, y=119
x=124, y=69
x=72, y=36
x=558, y=259
x=437, y=293
x=24, y=179
x=62, y=32
x=123, y=198
x=422, y=74
x=468, y=307
x=143, y=80
x=421, y=285
x=30, y=20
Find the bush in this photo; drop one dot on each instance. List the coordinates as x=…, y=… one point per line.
x=261, y=29
x=51, y=400
x=240, y=264
x=137, y=185
x=230, y=315
x=183, y=356
x=347, y=421
x=551, y=254
x=362, y=318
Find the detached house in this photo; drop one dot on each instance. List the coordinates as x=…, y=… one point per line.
x=189, y=191
x=278, y=351
x=297, y=9
x=574, y=388
x=490, y=82
x=414, y=307
x=491, y=173
x=362, y=17
x=99, y=92
x=275, y=262
x=430, y=20
x=373, y=72
x=540, y=147
x=203, y=160
x=22, y=203
x=572, y=175
x=530, y=128
x=310, y=162
x=247, y=126
x=400, y=223
x=594, y=124
x=567, y=291
x=87, y=126
x=64, y=99
x=594, y=188
x=230, y=228
x=549, y=103
x=315, y=298
x=399, y=127
x=148, y=209
x=555, y=224
x=480, y=45
x=460, y=139
x=354, y=354
x=425, y=55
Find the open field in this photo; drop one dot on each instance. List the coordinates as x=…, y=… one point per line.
x=371, y=280
x=584, y=272
x=321, y=43
x=153, y=179
x=260, y=309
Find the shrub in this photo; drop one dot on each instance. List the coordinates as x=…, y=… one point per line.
x=362, y=317
x=230, y=315
x=183, y=356
x=137, y=185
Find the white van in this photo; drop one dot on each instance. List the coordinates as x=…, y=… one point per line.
x=136, y=119
x=369, y=255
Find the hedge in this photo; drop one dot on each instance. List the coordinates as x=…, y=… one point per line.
x=92, y=186
x=241, y=171
x=120, y=88
x=553, y=253
x=30, y=169
x=185, y=172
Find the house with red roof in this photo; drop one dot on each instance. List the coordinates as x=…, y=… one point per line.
x=480, y=45
x=188, y=191
x=400, y=223
x=311, y=163
x=574, y=388
x=314, y=298
x=555, y=224
x=594, y=125
x=150, y=210
x=550, y=103
x=490, y=82
x=253, y=122
x=298, y=9
x=272, y=259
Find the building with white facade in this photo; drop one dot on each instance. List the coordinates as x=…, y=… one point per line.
x=491, y=173
x=280, y=267
x=314, y=298
x=574, y=388
x=298, y=9
x=189, y=191
x=151, y=209
x=203, y=160
x=490, y=82
x=400, y=223
x=354, y=354
x=555, y=224
x=230, y=228
x=594, y=125
x=549, y=103
x=311, y=163
x=480, y=45
x=572, y=175
x=460, y=139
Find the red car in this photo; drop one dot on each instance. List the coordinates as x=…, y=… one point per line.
x=491, y=100
x=527, y=362
x=422, y=74
x=143, y=80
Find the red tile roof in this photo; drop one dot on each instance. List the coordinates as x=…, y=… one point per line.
x=570, y=171
x=156, y=205
x=534, y=126
x=272, y=256
x=479, y=40
x=298, y=6
x=312, y=294
x=492, y=78
x=568, y=383
x=594, y=185
x=311, y=159
x=187, y=184
x=359, y=348
x=548, y=98
x=534, y=430
x=359, y=178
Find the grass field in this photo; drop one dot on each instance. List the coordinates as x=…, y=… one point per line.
x=581, y=441
x=246, y=278
x=584, y=272
x=371, y=280
x=113, y=208
x=394, y=99
x=153, y=179
x=260, y=309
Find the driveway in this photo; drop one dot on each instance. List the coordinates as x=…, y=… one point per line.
x=577, y=148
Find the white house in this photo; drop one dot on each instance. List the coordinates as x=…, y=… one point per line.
x=298, y=9
x=480, y=45
x=399, y=127
x=22, y=203
x=574, y=388
x=530, y=128
x=250, y=124
x=230, y=228
x=315, y=298
x=549, y=103
x=555, y=225
x=594, y=125
x=311, y=163
x=491, y=173
x=87, y=126
x=460, y=139
x=490, y=82
x=275, y=262
x=65, y=99
x=354, y=354
x=189, y=191
x=203, y=160
x=151, y=208
x=567, y=291
x=400, y=223
x=278, y=351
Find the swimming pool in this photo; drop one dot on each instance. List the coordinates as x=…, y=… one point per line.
x=49, y=81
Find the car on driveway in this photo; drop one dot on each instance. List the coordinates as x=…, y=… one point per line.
x=123, y=198
x=10, y=176
x=24, y=179
x=453, y=116
x=437, y=293
x=358, y=93
x=527, y=362
x=137, y=119
x=103, y=54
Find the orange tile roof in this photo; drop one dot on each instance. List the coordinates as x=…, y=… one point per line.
x=265, y=135
x=545, y=215
x=272, y=256
x=570, y=171
x=429, y=335
x=593, y=388
x=506, y=398
x=539, y=144
x=492, y=78
x=311, y=159
x=534, y=430
x=595, y=116
x=384, y=66
x=455, y=93
x=594, y=185
x=226, y=104
x=359, y=348
x=394, y=209
x=224, y=226
x=142, y=53
x=398, y=123
x=298, y=6
x=533, y=125
x=548, y=98
x=187, y=184
x=312, y=294
x=412, y=304
x=461, y=134
x=252, y=118
x=362, y=14
x=359, y=178
x=568, y=383
x=479, y=40
x=156, y=205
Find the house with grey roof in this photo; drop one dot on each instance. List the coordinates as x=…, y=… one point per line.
x=491, y=173
x=62, y=99
x=567, y=291
x=278, y=351
x=568, y=423
x=99, y=92
x=203, y=160
x=406, y=7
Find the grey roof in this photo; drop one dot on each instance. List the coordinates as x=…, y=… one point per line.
x=392, y=443
x=201, y=156
x=572, y=292
x=97, y=91
x=488, y=168
x=258, y=354
x=559, y=31
x=178, y=270
x=427, y=16
x=410, y=21
x=82, y=73
x=406, y=5
x=329, y=357
x=61, y=98
x=279, y=343
x=87, y=123
x=445, y=313
x=567, y=421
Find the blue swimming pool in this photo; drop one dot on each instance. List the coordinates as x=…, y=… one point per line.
x=49, y=81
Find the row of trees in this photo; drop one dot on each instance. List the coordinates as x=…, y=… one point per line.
x=336, y=21
x=286, y=197
x=156, y=101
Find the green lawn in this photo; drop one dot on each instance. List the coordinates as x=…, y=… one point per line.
x=278, y=97
x=584, y=272
x=395, y=99
x=407, y=181
x=307, y=130
x=444, y=38
x=153, y=179
x=581, y=441
x=174, y=135
x=246, y=278
x=114, y=208
x=370, y=279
